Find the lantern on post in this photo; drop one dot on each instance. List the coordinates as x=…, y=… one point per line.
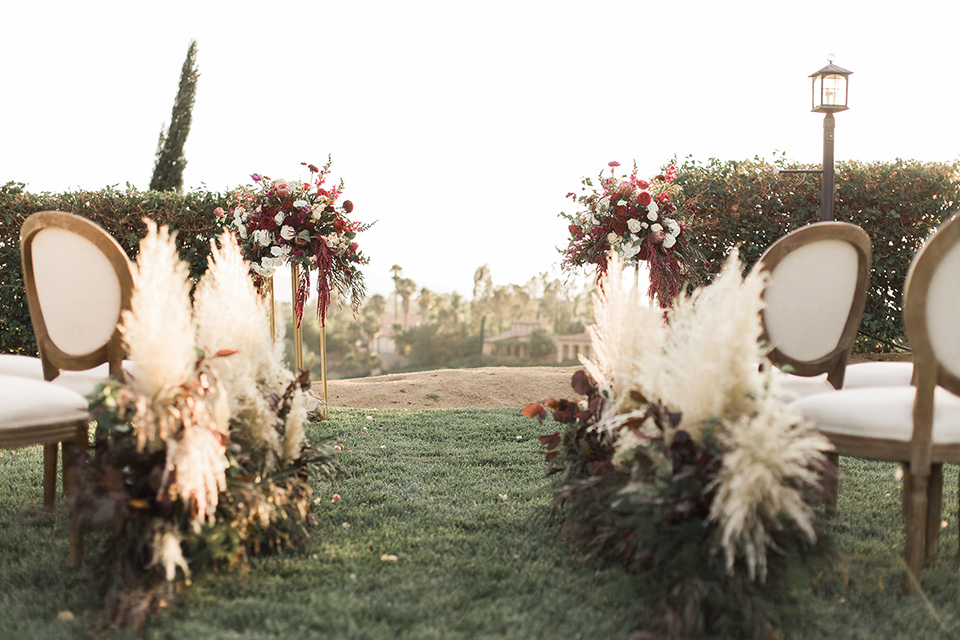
x=829, y=96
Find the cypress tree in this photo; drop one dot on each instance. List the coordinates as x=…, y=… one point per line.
x=168, y=170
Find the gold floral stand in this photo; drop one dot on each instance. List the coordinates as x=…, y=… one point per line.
x=266, y=290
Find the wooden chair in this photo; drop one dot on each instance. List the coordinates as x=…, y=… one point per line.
x=917, y=425
x=78, y=282
x=813, y=301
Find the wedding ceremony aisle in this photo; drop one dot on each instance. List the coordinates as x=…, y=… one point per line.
x=441, y=527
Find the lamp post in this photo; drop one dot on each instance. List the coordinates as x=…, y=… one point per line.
x=829, y=96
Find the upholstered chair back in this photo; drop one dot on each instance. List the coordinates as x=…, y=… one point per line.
x=78, y=282
x=814, y=297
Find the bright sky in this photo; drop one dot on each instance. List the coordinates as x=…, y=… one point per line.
x=461, y=126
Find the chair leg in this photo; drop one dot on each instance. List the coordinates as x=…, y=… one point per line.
x=934, y=512
x=905, y=495
x=831, y=474
x=916, y=524
x=50, y=452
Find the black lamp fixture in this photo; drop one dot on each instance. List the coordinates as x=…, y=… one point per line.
x=829, y=96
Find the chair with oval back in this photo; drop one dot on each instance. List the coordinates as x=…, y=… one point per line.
x=917, y=425
x=78, y=282
x=813, y=301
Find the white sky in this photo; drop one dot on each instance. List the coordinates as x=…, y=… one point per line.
x=461, y=126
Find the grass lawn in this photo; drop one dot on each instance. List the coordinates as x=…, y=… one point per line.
x=459, y=497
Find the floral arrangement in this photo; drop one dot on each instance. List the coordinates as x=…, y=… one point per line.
x=639, y=220
x=681, y=463
x=278, y=221
x=199, y=456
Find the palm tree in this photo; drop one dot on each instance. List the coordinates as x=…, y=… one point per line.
x=396, y=270
x=406, y=289
x=427, y=300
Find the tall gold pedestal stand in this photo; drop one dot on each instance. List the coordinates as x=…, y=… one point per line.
x=266, y=291
x=298, y=341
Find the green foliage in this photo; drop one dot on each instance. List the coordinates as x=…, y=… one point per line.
x=120, y=213
x=470, y=564
x=168, y=170
x=751, y=204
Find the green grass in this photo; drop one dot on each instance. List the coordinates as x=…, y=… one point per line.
x=429, y=487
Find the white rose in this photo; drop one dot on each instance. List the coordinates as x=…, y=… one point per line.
x=276, y=251
x=256, y=268
x=613, y=238
x=630, y=249
x=280, y=217
x=651, y=215
x=669, y=241
x=634, y=225
x=672, y=226
x=316, y=213
x=287, y=232
x=644, y=225
x=656, y=227
x=243, y=231
x=263, y=237
x=621, y=203
x=300, y=204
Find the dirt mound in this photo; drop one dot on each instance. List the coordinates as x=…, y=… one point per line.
x=486, y=387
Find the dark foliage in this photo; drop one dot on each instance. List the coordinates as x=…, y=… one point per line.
x=121, y=214
x=650, y=516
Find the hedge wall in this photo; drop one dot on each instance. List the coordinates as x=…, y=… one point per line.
x=121, y=213
x=737, y=203
x=752, y=203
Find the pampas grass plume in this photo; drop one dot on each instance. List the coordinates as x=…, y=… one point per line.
x=158, y=328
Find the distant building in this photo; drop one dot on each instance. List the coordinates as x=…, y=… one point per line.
x=570, y=347
x=515, y=342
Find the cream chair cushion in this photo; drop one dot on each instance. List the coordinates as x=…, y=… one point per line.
x=83, y=382
x=856, y=376
x=880, y=412
x=34, y=403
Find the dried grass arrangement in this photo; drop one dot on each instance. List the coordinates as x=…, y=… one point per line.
x=682, y=464
x=199, y=456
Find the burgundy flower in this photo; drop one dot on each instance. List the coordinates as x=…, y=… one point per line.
x=267, y=223
x=347, y=206
x=643, y=198
x=657, y=237
x=619, y=226
x=287, y=205
x=313, y=168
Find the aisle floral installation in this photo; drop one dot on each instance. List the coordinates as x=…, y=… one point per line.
x=682, y=464
x=279, y=222
x=199, y=456
x=640, y=220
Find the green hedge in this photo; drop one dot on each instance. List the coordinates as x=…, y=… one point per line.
x=738, y=203
x=752, y=203
x=121, y=213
